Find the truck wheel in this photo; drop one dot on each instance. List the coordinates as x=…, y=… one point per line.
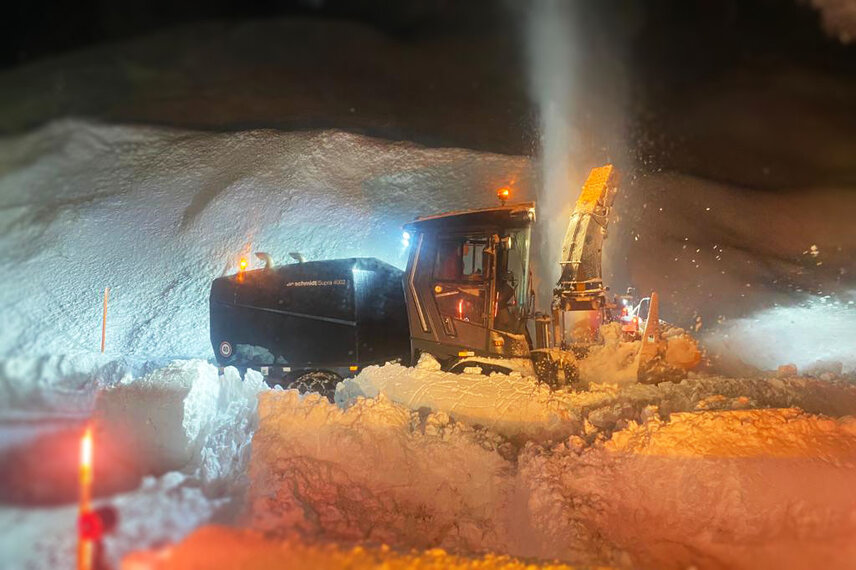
x=317, y=381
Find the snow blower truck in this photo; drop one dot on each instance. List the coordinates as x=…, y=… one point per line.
x=465, y=297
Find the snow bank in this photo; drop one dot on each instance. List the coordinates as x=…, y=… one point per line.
x=741, y=433
x=414, y=472
x=510, y=405
x=375, y=471
x=171, y=451
x=61, y=384
x=157, y=213
x=812, y=335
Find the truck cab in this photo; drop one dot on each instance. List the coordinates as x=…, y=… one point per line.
x=467, y=283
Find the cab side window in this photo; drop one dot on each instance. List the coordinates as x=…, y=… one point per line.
x=459, y=281
x=460, y=260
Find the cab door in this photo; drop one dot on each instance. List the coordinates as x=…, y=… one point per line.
x=452, y=284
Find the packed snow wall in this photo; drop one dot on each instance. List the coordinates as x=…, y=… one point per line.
x=156, y=214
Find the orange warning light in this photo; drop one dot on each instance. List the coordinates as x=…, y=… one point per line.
x=85, y=544
x=503, y=194
x=243, y=264
x=86, y=453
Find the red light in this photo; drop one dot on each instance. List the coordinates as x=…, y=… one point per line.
x=461, y=309
x=90, y=526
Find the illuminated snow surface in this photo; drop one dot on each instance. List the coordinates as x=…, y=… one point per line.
x=715, y=471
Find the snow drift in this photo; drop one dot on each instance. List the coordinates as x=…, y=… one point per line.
x=419, y=468
x=171, y=450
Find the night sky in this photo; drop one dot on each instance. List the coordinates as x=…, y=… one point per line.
x=452, y=74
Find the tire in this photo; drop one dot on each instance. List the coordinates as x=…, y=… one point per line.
x=316, y=381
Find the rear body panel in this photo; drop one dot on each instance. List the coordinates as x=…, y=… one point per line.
x=317, y=315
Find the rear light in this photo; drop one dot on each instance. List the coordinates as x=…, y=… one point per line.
x=90, y=526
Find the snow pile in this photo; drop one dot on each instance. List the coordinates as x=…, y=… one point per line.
x=217, y=548
x=510, y=405
x=171, y=452
x=416, y=472
x=688, y=507
x=816, y=335
x=376, y=471
x=518, y=407
x=741, y=433
x=61, y=384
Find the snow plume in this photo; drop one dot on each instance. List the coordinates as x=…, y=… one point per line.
x=551, y=63
x=815, y=335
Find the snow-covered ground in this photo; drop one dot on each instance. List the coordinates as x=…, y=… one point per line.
x=620, y=473
x=171, y=450
x=711, y=472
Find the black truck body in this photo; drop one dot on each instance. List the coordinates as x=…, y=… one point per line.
x=335, y=315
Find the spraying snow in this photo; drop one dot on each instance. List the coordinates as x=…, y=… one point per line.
x=551, y=58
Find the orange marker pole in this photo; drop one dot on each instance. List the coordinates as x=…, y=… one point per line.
x=104, y=319
x=85, y=544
